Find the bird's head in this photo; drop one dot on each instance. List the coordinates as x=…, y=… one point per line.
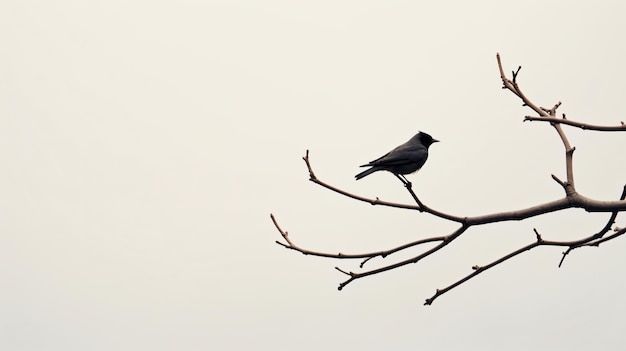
x=426, y=139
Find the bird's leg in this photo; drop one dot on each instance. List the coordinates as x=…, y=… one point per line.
x=401, y=179
x=404, y=181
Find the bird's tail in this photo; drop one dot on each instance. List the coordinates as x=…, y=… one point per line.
x=366, y=173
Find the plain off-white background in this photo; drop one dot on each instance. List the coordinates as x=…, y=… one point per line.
x=143, y=145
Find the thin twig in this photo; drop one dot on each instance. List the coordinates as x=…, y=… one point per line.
x=597, y=238
x=583, y=126
x=290, y=245
x=479, y=269
x=420, y=207
x=367, y=256
x=618, y=232
x=539, y=241
x=544, y=113
x=515, y=89
x=448, y=239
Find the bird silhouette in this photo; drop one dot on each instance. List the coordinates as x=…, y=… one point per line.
x=404, y=159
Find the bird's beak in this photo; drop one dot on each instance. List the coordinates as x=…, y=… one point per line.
x=435, y=141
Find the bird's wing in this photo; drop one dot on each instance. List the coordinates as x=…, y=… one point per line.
x=372, y=163
x=403, y=154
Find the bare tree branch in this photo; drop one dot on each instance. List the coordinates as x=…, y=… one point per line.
x=588, y=241
x=571, y=199
x=574, y=200
x=444, y=241
x=290, y=245
x=420, y=206
x=583, y=126
x=480, y=269
x=598, y=238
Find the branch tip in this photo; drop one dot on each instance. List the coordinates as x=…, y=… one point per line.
x=342, y=271
x=539, y=239
x=556, y=179
x=515, y=73
x=365, y=261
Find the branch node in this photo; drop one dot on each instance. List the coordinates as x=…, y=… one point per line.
x=515, y=73
x=312, y=176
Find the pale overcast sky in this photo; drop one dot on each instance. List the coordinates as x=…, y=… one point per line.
x=143, y=145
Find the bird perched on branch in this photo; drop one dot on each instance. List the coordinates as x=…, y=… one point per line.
x=405, y=159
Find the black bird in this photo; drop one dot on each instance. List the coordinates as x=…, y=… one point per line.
x=405, y=159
